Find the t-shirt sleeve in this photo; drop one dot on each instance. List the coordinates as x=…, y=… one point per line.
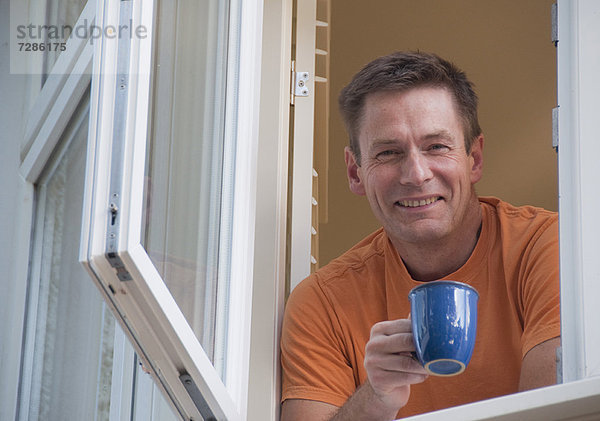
x=540, y=288
x=313, y=360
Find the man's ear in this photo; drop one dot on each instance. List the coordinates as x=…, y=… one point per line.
x=353, y=171
x=477, y=159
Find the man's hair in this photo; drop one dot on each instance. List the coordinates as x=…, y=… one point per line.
x=402, y=71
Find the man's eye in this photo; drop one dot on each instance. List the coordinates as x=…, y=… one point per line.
x=385, y=154
x=438, y=147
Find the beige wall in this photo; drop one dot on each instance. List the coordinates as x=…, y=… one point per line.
x=505, y=48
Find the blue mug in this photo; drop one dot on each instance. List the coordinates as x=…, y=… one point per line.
x=444, y=324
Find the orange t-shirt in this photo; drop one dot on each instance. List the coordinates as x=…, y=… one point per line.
x=514, y=267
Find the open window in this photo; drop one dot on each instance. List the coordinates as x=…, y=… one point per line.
x=168, y=231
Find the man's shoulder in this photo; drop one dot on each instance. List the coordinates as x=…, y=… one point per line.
x=519, y=227
x=354, y=279
x=363, y=256
x=358, y=264
x=510, y=214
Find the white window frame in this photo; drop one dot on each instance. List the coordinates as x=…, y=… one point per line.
x=269, y=286
x=145, y=308
x=302, y=198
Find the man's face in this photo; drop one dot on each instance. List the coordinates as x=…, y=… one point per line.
x=414, y=168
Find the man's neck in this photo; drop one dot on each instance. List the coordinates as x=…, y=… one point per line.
x=431, y=261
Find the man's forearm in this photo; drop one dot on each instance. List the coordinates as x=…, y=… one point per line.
x=364, y=404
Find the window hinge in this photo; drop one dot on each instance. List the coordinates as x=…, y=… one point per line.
x=116, y=262
x=555, y=128
x=299, y=83
x=196, y=395
x=554, y=14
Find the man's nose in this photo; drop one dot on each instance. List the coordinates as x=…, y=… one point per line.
x=415, y=169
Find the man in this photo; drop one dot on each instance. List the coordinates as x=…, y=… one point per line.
x=416, y=152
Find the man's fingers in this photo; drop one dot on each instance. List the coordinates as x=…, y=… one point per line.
x=403, y=362
x=391, y=344
x=383, y=377
x=391, y=327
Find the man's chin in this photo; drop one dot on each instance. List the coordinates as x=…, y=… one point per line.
x=417, y=235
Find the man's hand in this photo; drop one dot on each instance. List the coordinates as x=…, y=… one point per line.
x=390, y=365
x=391, y=370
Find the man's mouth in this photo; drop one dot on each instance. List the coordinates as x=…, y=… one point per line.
x=417, y=203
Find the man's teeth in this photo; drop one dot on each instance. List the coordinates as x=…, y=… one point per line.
x=417, y=203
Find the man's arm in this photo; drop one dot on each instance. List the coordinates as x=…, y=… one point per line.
x=304, y=409
x=360, y=406
x=539, y=366
x=538, y=370
x=390, y=369
x=540, y=296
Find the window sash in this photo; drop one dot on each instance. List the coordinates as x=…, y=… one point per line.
x=51, y=112
x=187, y=212
x=144, y=306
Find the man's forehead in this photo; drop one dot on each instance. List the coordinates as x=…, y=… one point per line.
x=380, y=96
x=380, y=105
x=414, y=106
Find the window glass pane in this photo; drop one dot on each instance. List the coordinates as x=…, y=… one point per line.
x=184, y=176
x=61, y=17
x=68, y=352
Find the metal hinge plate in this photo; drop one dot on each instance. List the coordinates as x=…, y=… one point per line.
x=117, y=264
x=196, y=395
x=299, y=83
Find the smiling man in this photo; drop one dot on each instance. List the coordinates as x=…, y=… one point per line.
x=416, y=152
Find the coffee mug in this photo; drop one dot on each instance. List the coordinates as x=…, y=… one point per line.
x=444, y=324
